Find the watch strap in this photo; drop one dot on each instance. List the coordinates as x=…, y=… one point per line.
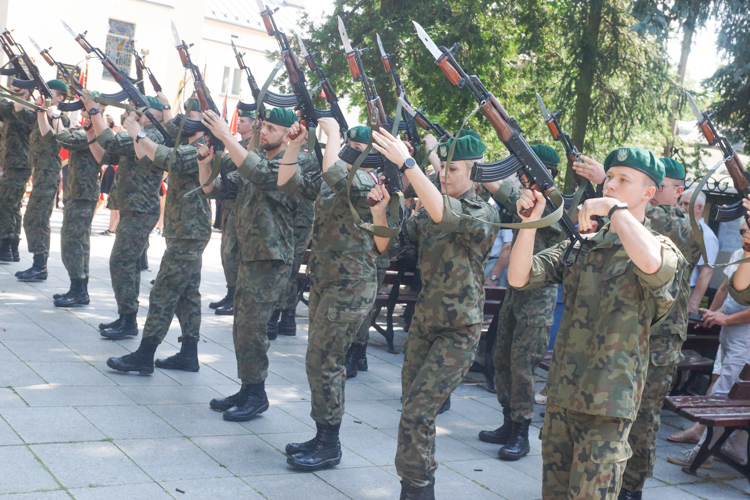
x=618, y=206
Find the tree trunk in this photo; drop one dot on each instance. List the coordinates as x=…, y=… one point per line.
x=688, y=30
x=584, y=84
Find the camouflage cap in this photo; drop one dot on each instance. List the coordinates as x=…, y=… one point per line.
x=638, y=159
x=247, y=114
x=468, y=147
x=673, y=168
x=192, y=104
x=360, y=133
x=58, y=85
x=280, y=116
x=154, y=103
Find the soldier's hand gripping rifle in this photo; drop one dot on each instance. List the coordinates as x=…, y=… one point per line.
x=140, y=64
x=272, y=98
x=325, y=85
x=522, y=159
x=130, y=92
x=27, y=78
x=571, y=152
x=375, y=112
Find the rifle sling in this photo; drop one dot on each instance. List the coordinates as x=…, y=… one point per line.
x=14, y=97
x=577, y=197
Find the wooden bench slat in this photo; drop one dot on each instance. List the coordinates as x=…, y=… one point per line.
x=675, y=403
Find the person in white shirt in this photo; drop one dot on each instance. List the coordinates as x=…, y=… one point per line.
x=702, y=274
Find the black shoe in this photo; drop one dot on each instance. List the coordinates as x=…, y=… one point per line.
x=14, y=250
x=127, y=328
x=144, y=260
x=61, y=295
x=518, y=445
x=141, y=361
x=272, y=327
x=502, y=433
x=630, y=495
x=115, y=324
x=37, y=272
x=445, y=406
x=78, y=295
x=227, y=308
x=217, y=304
x=325, y=453
x=287, y=324
x=350, y=362
x=5, y=254
x=223, y=404
x=306, y=447
x=256, y=403
x=409, y=492
x=362, y=358
x=185, y=360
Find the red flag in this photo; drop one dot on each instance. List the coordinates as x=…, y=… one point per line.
x=234, y=120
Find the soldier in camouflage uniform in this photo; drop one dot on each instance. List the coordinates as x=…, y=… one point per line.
x=447, y=324
x=624, y=281
x=522, y=332
x=229, y=246
x=342, y=290
x=81, y=194
x=187, y=229
x=44, y=158
x=135, y=194
x=14, y=151
x=264, y=232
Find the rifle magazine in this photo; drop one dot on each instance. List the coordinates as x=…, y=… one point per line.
x=494, y=171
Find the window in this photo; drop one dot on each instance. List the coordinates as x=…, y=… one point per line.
x=117, y=48
x=233, y=77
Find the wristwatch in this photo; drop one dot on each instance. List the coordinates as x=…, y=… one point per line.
x=141, y=135
x=166, y=106
x=493, y=277
x=94, y=111
x=409, y=163
x=56, y=116
x=618, y=206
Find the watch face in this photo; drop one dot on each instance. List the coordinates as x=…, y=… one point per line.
x=410, y=163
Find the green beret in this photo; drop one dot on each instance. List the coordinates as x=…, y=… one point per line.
x=547, y=154
x=154, y=103
x=468, y=147
x=280, y=116
x=192, y=104
x=244, y=113
x=638, y=159
x=466, y=132
x=673, y=168
x=360, y=133
x=58, y=85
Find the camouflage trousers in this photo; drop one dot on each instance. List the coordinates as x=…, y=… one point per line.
x=12, y=188
x=642, y=437
x=230, y=256
x=363, y=333
x=257, y=292
x=336, y=311
x=39, y=210
x=583, y=456
x=435, y=361
x=75, y=237
x=520, y=346
x=176, y=291
x=131, y=239
x=288, y=299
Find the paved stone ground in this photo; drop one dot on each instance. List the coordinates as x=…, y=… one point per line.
x=72, y=428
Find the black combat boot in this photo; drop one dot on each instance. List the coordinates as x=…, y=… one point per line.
x=361, y=357
x=502, y=433
x=78, y=295
x=272, y=327
x=227, y=309
x=186, y=359
x=350, y=361
x=409, y=492
x=5, y=254
x=256, y=403
x=629, y=495
x=115, y=324
x=216, y=305
x=445, y=406
x=14, y=250
x=127, y=328
x=141, y=361
x=61, y=295
x=518, y=444
x=144, y=260
x=287, y=324
x=37, y=272
x=325, y=453
x=223, y=404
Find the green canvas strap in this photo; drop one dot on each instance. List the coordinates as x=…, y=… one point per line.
x=577, y=198
x=259, y=107
x=12, y=96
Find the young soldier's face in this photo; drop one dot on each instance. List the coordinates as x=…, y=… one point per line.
x=455, y=179
x=57, y=97
x=272, y=135
x=245, y=126
x=668, y=193
x=359, y=146
x=628, y=185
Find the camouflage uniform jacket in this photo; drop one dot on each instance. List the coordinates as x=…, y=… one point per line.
x=84, y=172
x=228, y=166
x=136, y=186
x=340, y=250
x=264, y=211
x=533, y=307
x=600, y=358
x=451, y=256
x=44, y=151
x=14, y=143
x=305, y=212
x=187, y=218
x=674, y=223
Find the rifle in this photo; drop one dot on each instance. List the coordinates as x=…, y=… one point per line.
x=140, y=64
x=274, y=99
x=522, y=159
x=127, y=86
x=375, y=113
x=731, y=161
x=305, y=107
x=421, y=119
x=328, y=91
x=28, y=79
x=571, y=151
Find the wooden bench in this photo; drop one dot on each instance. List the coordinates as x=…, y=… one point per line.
x=689, y=369
x=731, y=412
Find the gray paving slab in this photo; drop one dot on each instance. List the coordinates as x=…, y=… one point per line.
x=146, y=491
x=41, y=350
x=128, y=422
x=8, y=435
x=18, y=374
x=74, y=373
x=21, y=472
x=39, y=495
x=492, y=474
x=244, y=455
x=363, y=483
x=73, y=396
x=276, y=420
x=171, y=459
x=198, y=420
x=290, y=487
x=51, y=425
x=229, y=487
x=168, y=395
